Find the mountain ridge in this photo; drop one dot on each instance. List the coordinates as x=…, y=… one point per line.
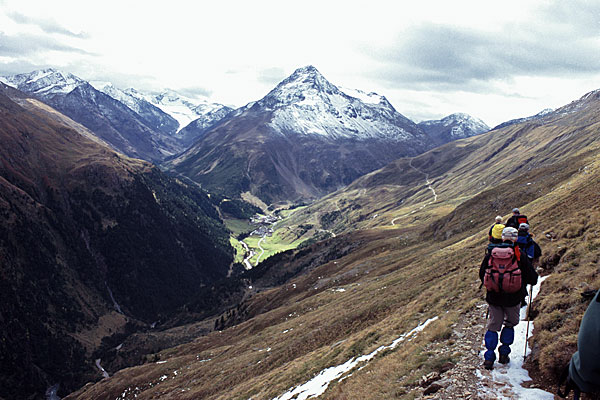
x=136, y=124
x=304, y=139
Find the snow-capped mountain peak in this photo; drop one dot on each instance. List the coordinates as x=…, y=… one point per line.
x=308, y=104
x=184, y=109
x=305, y=86
x=45, y=81
x=454, y=126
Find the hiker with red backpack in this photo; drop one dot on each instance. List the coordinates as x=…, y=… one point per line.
x=504, y=272
x=516, y=219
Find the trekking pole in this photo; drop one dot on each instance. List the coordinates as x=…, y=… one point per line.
x=528, y=311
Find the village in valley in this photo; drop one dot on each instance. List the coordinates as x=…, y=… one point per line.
x=264, y=223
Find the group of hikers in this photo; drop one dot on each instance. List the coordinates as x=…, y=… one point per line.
x=507, y=268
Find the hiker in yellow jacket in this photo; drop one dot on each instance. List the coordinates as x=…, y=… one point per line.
x=495, y=234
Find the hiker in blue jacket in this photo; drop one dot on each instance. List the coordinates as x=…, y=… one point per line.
x=525, y=241
x=504, y=307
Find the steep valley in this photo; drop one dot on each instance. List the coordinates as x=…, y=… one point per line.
x=106, y=257
x=305, y=310
x=94, y=246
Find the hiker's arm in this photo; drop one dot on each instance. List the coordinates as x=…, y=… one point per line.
x=483, y=266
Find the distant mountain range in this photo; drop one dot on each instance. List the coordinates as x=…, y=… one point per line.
x=139, y=125
x=465, y=168
x=304, y=139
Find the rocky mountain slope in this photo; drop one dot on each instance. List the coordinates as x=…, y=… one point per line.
x=153, y=116
x=112, y=121
x=94, y=245
x=136, y=124
x=304, y=139
x=457, y=171
x=377, y=312
x=183, y=119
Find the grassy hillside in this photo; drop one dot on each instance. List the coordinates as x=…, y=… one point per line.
x=365, y=289
x=320, y=306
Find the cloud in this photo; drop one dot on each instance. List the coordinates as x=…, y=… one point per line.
x=26, y=44
x=14, y=66
x=445, y=57
x=271, y=76
x=46, y=25
x=195, y=92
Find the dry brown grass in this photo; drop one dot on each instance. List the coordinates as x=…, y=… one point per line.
x=394, y=280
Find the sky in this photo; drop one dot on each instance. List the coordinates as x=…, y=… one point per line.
x=493, y=60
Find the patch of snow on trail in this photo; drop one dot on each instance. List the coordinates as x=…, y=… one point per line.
x=317, y=385
x=506, y=380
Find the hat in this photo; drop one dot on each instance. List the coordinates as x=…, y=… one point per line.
x=524, y=227
x=498, y=218
x=510, y=233
x=516, y=210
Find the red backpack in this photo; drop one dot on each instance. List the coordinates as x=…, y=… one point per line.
x=521, y=219
x=503, y=273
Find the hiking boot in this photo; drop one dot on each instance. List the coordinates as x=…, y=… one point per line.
x=488, y=364
x=504, y=359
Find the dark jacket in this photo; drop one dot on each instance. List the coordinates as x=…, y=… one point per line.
x=584, y=368
x=528, y=276
x=513, y=221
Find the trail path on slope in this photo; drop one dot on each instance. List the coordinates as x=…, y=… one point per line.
x=467, y=379
x=428, y=184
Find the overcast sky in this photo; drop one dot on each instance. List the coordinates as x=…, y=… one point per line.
x=494, y=60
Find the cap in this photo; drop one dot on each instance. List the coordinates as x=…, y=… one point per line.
x=524, y=227
x=510, y=233
x=498, y=218
x=516, y=210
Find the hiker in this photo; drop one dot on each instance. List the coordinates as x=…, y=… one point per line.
x=584, y=367
x=505, y=273
x=527, y=248
x=495, y=233
x=516, y=219
x=525, y=241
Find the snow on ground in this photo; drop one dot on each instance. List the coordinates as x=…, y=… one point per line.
x=317, y=385
x=505, y=381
